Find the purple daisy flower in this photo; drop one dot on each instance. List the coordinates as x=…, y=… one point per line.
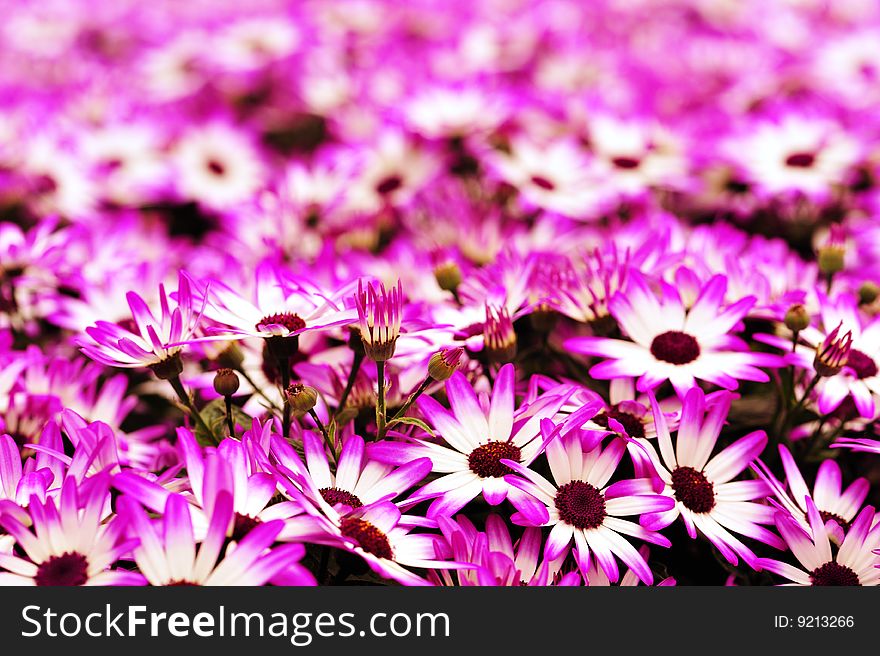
x=168, y=554
x=377, y=532
x=675, y=344
x=17, y=483
x=706, y=496
x=278, y=306
x=596, y=575
x=70, y=543
x=855, y=563
x=480, y=433
x=497, y=560
x=583, y=508
x=157, y=342
x=356, y=479
x=837, y=508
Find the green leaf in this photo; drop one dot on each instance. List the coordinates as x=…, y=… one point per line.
x=412, y=421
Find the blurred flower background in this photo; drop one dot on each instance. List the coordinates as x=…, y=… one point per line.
x=484, y=292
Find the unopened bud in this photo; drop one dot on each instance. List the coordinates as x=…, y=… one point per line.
x=380, y=312
x=448, y=276
x=444, y=363
x=797, y=318
x=302, y=398
x=832, y=254
x=833, y=353
x=226, y=382
x=499, y=338
x=868, y=293
x=831, y=260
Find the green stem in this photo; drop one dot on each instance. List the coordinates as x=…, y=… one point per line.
x=412, y=398
x=380, y=400
x=229, y=421
x=284, y=367
x=323, y=429
x=803, y=399
x=187, y=401
x=349, y=385
x=819, y=442
x=258, y=390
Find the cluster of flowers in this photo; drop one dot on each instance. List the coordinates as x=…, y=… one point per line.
x=445, y=293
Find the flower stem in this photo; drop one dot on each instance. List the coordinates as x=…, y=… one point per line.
x=253, y=385
x=323, y=429
x=349, y=385
x=284, y=367
x=803, y=399
x=412, y=398
x=229, y=421
x=380, y=400
x=187, y=401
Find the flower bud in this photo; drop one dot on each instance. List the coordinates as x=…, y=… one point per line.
x=797, y=318
x=226, y=382
x=868, y=293
x=832, y=254
x=444, y=363
x=831, y=260
x=379, y=316
x=448, y=276
x=833, y=353
x=499, y=338
x=302, y=398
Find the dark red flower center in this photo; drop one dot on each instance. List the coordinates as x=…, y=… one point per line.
x=389, y=184
x=827, y=516
x=736, y=186
x=70, y=568
x=632, y=424
x=484, y=460
x=289, y=320
x=216, y=167
x=44, y=184
x=580, y=505
x=675, y=347
x=542, y=182
x=862, y=364
x=370, y=538
x=693, y=489
x=180, y=583
x=333, y=495
x=800, y=160
x=626, y=162
x=244, y=524
x=834, y=574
